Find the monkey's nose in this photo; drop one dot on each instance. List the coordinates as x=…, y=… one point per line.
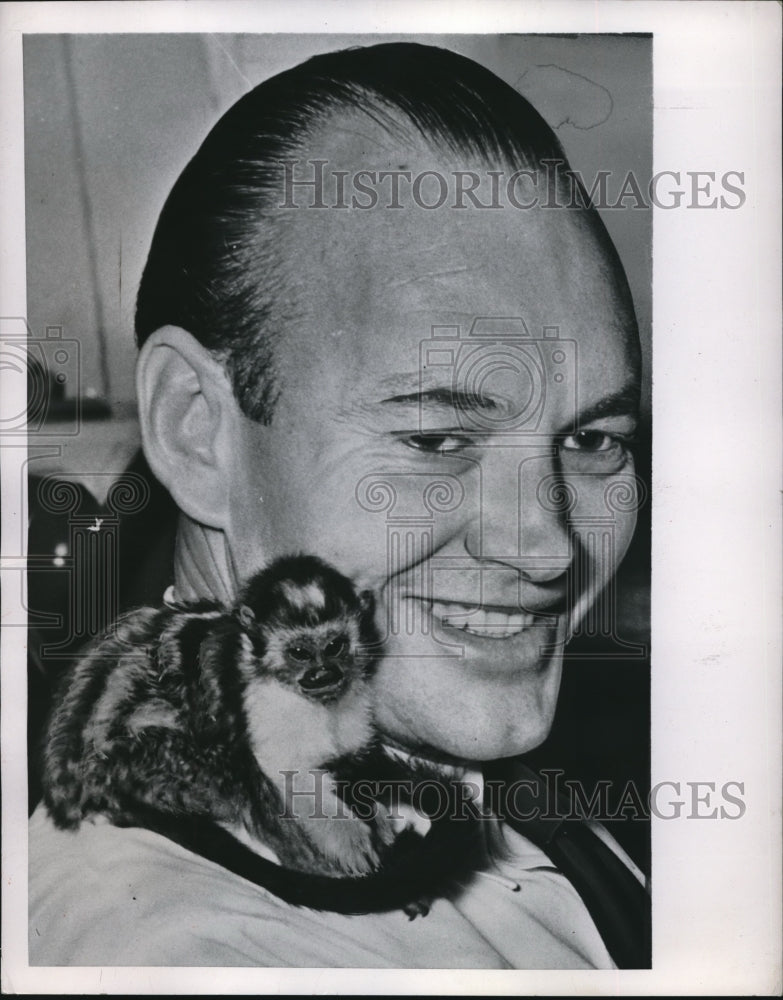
x=322, y=679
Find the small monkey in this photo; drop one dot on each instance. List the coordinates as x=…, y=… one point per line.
x=225, y=728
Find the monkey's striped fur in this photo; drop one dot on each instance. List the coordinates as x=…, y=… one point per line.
x=182, y=720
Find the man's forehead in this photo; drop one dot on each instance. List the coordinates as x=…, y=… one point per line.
x=369, y=228
x=425, y=271
x=395, y=272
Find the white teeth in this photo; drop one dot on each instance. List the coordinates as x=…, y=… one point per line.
x=487, y=624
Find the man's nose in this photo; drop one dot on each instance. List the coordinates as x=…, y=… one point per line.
x=520, y=519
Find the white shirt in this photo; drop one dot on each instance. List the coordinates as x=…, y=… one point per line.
x=112, y=897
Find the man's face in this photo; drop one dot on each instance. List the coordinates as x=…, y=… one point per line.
x=424, y=461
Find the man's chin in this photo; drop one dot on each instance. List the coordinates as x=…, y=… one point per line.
x=480, y=747
x=473, y=721
x=477, y=699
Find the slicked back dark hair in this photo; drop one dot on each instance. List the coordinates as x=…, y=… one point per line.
x=213, y=268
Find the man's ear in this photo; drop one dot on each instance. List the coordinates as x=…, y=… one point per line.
x=187, y=412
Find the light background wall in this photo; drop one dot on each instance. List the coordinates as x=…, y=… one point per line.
x=111, y=120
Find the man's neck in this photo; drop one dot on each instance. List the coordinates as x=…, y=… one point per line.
x=202, y=566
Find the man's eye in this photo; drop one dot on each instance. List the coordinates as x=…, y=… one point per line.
x=437, y=444
x=591, y=441
x=595, y=451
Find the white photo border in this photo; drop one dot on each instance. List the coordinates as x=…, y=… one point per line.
x=716, y=594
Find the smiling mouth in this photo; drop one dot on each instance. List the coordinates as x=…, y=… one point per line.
x=487, y=623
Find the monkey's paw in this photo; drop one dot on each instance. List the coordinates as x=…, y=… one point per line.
x=418, y=908
x=354, y=846
x=387, y=829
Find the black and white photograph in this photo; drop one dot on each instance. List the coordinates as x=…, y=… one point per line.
x=391, y=540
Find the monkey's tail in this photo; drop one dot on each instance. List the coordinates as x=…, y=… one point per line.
x=417, y=866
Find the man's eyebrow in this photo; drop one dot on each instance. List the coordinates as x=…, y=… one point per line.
x=623, y=403
x=443, y=396
x=406, y=390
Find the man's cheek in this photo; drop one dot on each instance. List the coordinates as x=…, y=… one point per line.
x=624, y=532
x=606, y=509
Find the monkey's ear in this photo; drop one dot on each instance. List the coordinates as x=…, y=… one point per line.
x=186, y=412
x=246, y=616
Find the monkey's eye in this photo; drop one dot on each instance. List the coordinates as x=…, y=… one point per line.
x=336, y=646
x=300, y=653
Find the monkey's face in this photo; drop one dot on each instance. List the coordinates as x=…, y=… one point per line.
x=322, y=662
x=319, y=661
x=309, y=628
x=306, y=698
